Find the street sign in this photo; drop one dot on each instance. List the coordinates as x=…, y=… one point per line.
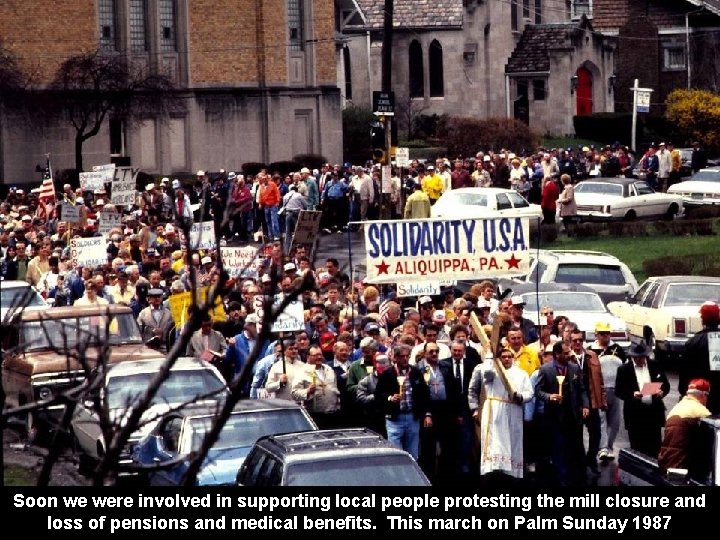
x=643, y=100
x=384, y=103
x=402, y=156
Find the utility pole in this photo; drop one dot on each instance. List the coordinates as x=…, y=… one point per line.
x=387, y=87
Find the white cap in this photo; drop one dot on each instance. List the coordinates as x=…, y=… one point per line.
x=486, y=158
x=200, y=173
x=252, y=318
x=231, y=174
x=206, y=260
x=165, y=180
x=517, y=301
x=439, y=315
x=175, y=183
x=266, y=278
x=289, y=267
x=304, y=170
x=149, y=187
x=169, y=228
x=100, y=202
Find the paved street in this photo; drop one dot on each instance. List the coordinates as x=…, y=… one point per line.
x=349, y=249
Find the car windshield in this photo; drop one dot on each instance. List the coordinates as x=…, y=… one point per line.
x=66, y=333
x=707, y=176
x=181, y=386
x=599, y=188
x=598, y=274
x=393, y=470
x=243, y=429
x=690, y=294
x=465, y=199
x=20, y=297
x=563, y=301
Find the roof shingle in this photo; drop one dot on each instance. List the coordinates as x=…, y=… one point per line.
x=532, y=53
x=414, y=13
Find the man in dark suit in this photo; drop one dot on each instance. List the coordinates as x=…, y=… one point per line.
x=461, y=365
x=696, y=359
x=652, y=166
x=561, y=388
x=643, y=407
x=406, y=398
x=446, y=409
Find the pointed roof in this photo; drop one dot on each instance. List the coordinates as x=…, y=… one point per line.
x=532, y=53
x=414, y=14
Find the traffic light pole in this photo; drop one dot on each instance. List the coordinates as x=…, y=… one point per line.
x=387, y=87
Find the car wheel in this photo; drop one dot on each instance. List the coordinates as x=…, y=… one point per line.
x=630, y=216
x=671, y=212
x=660, y=355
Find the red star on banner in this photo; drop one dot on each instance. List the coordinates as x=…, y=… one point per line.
x=513, y=262
x=382, y=268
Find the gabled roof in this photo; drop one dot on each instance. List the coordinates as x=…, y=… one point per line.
x=711, y=5
x=414, y=13
x=532, y=53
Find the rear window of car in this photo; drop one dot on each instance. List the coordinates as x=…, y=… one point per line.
x=353, y=470
x=598, y=274
x=599, y=188
x=16, y=297
x=690, y=294
x=468, y=199
x=180, y=386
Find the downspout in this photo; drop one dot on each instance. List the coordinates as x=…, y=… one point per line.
x=264, y=112
x=369, y=70
x=507, y=95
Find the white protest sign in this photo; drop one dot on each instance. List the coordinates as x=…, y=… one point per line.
x=90, y=252
x=241, y=261
x=292, y=318
x=418, y=288
x=307, y=227
x=70, y=213
x=402, y=156
x=714, y=350
x=385, y=181
x=202, y=235
x=434, y=249
x=123, y=186
x=108, y=221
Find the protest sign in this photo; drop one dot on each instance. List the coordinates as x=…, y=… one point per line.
x=107, y=221
x=202, y=235
x=418, y=288
x=242, y=261
x=448, y=249
x=179, y=303
x=90, y=252
x=123, y=190
x=292, y=318
x=307, y=228
x=70, y=213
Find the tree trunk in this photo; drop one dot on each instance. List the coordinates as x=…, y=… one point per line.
x=78, y=151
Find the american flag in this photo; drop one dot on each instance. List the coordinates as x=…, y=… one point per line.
x=383, y=311
x=46, y=197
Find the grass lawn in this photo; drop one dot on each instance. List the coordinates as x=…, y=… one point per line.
x=633, y=251
x=18, y=476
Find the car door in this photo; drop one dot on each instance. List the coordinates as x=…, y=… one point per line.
x=642, y=310
x=86, y=427
x=168, y=445
x=521, y=206
x=649, y=203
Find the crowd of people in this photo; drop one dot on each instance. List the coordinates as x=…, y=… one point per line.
x=501, y=398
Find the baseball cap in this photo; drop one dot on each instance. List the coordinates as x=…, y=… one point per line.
x=200, y=173
x=482, y=303
x=176, y=183
x=439, y=315
x=155, y=292
x=289, y=267
x=710, y=310
x=252, y=318
x=517, y=301
x=425, y=300
x=305, y=170
x=602, y=326
x=206, y=260
x=372, y=327
x=266, y=278
x=698, y=385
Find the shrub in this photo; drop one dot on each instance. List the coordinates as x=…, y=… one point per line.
x=252, y=167
x=356, y=133
x=702, y=265
x=585, y=230
x=311, y=161
x=703, y=212
x=466, y=136
x=548, y=234
x=283, y=167
x=608, y=127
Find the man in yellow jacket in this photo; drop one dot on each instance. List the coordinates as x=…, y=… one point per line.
x=417, y=205
x=432, y=185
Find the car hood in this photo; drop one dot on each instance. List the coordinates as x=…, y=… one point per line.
x=456, y=211
x=221, y=466
x=695, y=185
x=586, y=320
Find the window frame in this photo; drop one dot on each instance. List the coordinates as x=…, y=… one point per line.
x=578, y=8
x=667, y=49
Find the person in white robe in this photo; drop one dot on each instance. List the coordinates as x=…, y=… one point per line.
x=501, y=414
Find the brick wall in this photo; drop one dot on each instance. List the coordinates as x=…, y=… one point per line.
x=222, y=42
x=43, y=33
x=638, y=58
x=324, y=17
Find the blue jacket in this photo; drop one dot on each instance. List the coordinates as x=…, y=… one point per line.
x=238, y=354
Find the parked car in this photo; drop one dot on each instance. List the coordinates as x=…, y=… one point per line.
x=16, y=295
x=336, y=457
x=604, y=199
x=190, y=380
x=638, y=469
x=665, y=310
x=605, y=274
x=579, y=303
x=478, y=202
x=702, y=189
x=180, y=433
x=40, y=351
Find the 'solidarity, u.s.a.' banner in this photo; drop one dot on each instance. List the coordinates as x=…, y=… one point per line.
x=459, y=249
